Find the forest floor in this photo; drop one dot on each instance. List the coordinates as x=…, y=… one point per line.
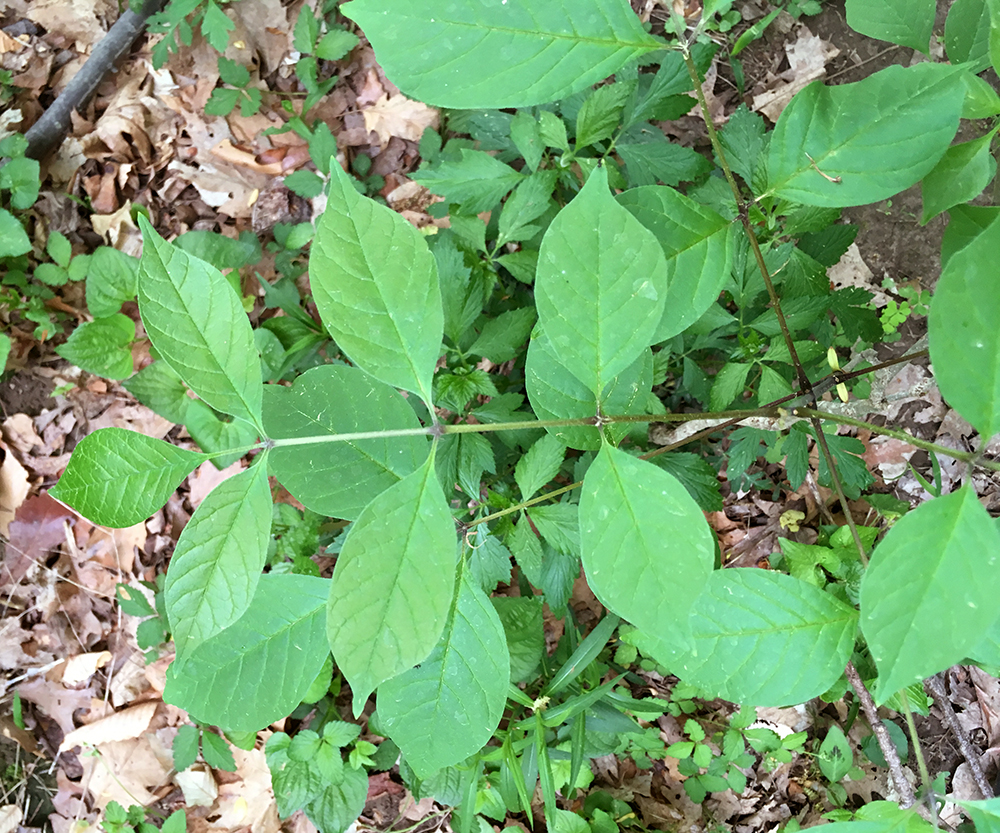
x=67, y=650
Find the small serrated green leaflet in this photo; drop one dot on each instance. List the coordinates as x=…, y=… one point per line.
x=539, y=465
x=499, y=55
x=340, y=478
x=376, y=286
x=502, y=336
x=219, y=557
x=339, y=805
x=600, y=113
x=863, y=142
x=102, y=346
x=948, y=593
x=600, y=285
x=118, y=478
x=647, y=550
x=447, y=708
x=696, y=244
x=393, y=583
x=197, y=324
x=185, y=746
x=476, y=180
x=963, y=332
x=216, y=752
x=906, y=22
x=763, y=638
x=258, y=669
x=522, y=622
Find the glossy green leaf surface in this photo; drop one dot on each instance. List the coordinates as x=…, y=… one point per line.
x=340, y=478
x=966, y=33
x=696, y=244
x=963, y=332
x=646, y=548
x=197, y=324
x=555, y=393
x=960, y=175
x=393, y=583
x=906, y=22
x=219, y=557
x=258, y=669
x=118, y=478
x=600, y=285
x=930, y=591
x=496, y=55
x=877, y=136
x=449, y=706
x=763, y=638
x=376, y=286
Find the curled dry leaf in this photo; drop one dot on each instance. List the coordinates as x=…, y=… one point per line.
x=123, y=725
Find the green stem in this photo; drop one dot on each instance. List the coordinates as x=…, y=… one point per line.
x=925, y=775
x=964, y=456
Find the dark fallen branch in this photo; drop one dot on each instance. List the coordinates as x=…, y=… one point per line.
x=936, y=686
x=50, y=130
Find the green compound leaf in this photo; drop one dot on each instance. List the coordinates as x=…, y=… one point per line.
x=447, y=708
x=258, y=669
x=764, y=639
x=879, y=136
x=339, y=479
x=960, y=175
x=219, y=557
x=376, y=286
x=497, y=55
x=476, y=180
x=963, y=332
x=600, y=285
x=197, y=324
x=102, y=346
x=647, y=550
x=118, y=478
x=906, y=22
x=555, y=393
x=930, y=591
x=339, y=805
x=539, y=465
x=696, y=243
x=393, y=583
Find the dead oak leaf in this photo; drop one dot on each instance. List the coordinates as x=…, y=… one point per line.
x=399, y=116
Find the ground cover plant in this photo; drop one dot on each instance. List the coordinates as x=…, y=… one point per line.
x=614, y=282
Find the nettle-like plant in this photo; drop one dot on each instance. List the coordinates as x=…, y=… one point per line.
x=407, y=613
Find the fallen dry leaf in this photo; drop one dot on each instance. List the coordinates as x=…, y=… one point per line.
x=82, y=667
x=14, y=488
x=807, y=56
x=123, y=725
x=399, y=116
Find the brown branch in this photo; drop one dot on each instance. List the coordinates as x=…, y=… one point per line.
x=50, y=130
x=907, y=798
x=936, y=686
